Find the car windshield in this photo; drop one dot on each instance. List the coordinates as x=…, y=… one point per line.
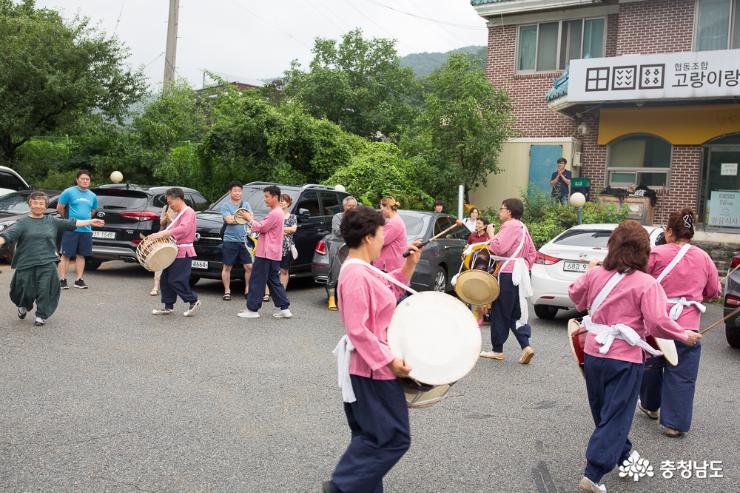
x=256, y=199
x=415, y=225
x=15, y=203
x=591, y=238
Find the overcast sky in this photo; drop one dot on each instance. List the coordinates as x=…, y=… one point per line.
x=257, y=39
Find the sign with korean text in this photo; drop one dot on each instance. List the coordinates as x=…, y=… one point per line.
x=685, y=75
x=724, y=209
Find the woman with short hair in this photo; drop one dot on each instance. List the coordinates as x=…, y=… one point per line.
x=290, y=226
x=374, y=401
x=688, y=276
x=36, y=279
x=626, y=304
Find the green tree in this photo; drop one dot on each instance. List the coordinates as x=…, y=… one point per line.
x=379, y=170
x=358, y=84
x=461, y=129
x=51, y=72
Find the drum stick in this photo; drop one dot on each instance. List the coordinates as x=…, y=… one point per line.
x=726, y=317
x=424, y=243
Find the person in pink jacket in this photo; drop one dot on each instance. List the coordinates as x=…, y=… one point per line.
x=374, y=401
x=175, y=279
x=394, y=244
x=688, y=276
x=509, y=311
x=626, y=304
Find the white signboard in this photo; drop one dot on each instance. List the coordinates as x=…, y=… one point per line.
x=724, y=209
x=685, y=75
x=728, y=169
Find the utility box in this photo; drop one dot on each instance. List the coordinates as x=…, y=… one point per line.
x=582, y=185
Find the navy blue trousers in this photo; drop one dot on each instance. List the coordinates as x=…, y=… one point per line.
x=379, y=422
x=612, y=387
x=266, y=272
x=175, y=281
x=505, y=312
x=671, y=389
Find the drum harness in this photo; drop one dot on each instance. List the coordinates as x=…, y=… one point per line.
x=679, y=303
x=344, y=346
x=606, y=334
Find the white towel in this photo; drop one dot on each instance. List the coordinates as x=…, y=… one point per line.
x=342, y=352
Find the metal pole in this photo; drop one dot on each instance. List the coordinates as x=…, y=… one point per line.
x=171, y=50
x=460, y=200
x=578, y=211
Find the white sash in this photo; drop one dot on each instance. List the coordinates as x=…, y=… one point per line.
x=344, y=347
x=342, y=352
x=606, y=334
x=679, y=303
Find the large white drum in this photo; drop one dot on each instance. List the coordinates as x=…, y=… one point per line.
x=438, y=337
x=155, y=255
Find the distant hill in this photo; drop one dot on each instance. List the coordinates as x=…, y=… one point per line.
x=424, y=64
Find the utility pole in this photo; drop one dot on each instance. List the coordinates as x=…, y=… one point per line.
x=171, y=51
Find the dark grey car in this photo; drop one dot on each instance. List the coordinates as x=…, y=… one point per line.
x=732, y=301
x=440, y=259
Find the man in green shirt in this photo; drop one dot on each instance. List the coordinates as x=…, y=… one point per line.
x=35, y=259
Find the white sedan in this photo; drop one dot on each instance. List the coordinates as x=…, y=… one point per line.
x=564, y=258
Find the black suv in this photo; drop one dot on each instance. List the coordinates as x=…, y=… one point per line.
x=313, y=205
x=129, y=211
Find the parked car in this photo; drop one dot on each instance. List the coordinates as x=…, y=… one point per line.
x=11, y=181
x=14, y=206
x=563, y=259
x=732, y=301
x=130, y=211
x=440, y=259
x=313, y=205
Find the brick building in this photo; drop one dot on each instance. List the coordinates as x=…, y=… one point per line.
x=631, y=92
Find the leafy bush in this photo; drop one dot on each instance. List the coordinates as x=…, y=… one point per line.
x=379, y=170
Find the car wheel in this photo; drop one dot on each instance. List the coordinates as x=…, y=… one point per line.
x=194, y=280
x=732, y=333
x=545, y=312
x=92, y=263
x=440, y=280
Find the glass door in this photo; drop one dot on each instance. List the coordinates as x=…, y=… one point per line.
x=721, y=191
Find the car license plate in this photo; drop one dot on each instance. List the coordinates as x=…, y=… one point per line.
x=575, y=266
x=200, y=264
x=106, y=235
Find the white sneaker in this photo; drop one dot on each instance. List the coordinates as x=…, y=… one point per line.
x=39, y=322
x=194, y=307
x=587, y=485
x=248, y=314
x=283, y=314
x=492, y=355
x=162, y=311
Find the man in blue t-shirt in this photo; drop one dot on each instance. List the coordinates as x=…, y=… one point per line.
x=560, y=181
x=78, y=203
x=233, y=250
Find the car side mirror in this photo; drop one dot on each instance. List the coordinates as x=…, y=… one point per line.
x=303, y=215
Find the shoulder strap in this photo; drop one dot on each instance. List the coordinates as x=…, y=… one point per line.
x=608, y=287
x=674, y=262
x=385, y=275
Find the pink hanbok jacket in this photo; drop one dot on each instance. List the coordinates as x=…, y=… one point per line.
x=695, y=278
x=506, y=241
x=366, y=305
x=270, y=244
x=183, y=232
x=637, y=301
x=394, y=245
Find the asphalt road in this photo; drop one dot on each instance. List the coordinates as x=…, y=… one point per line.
x=108, y=397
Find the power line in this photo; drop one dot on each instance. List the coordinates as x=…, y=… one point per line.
x=428, y=19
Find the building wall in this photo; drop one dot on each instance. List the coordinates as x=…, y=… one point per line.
x=655, y=26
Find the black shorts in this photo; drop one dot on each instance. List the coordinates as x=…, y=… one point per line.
x=76, y=243
x=286, y=260
x=235, y=253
